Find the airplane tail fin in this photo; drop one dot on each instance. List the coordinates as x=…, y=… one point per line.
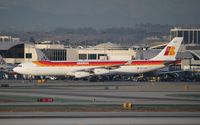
x=170, y=51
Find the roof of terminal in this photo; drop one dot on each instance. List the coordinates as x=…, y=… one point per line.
x=108, y=45
x=8, y=44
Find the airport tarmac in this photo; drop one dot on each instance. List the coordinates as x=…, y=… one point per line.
x=99, y=97
x=103, y=121
x=105, y=92
x=100, y=118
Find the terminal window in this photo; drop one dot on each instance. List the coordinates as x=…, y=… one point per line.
x=82, y=56
x=92, y=56
x=55, y=54
x=102, y=55
x=28, y=55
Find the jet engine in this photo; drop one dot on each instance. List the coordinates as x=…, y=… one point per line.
x=81, y=74
x=100, y=71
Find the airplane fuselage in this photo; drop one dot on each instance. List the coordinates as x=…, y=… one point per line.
x=38, y=68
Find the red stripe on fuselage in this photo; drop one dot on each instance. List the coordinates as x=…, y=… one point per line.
x=146, y=62
x=98, y=63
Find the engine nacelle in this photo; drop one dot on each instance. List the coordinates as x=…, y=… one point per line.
x=81, y=74
x=101, y=71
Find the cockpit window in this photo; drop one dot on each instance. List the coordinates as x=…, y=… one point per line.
x=19, y=65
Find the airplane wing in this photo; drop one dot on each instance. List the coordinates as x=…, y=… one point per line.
x=101, y=70
x=112, y=67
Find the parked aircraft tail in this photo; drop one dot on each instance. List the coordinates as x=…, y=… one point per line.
x=170, y=51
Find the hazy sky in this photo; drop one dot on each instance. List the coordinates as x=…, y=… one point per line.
x=48, y=14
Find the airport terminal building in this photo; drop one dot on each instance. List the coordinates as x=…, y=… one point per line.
x=15, y=52
x=107, y=51
x=191, y=36
x=190, y=45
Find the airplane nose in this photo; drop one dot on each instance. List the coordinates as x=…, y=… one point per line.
x=15, y=69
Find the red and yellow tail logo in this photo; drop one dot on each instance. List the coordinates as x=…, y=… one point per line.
x=170, y=51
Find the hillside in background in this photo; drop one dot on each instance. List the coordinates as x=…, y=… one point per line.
x=139, y=34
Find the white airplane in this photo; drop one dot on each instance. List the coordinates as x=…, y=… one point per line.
x=80, y=69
